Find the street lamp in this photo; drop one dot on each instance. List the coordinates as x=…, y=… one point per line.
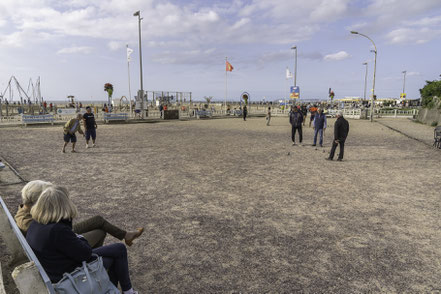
x=140, y=92
x=295, y=66
x=404, y=83
x=375, y=70
x=365, y=79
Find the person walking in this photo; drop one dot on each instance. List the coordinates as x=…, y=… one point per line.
x=70, y=128
x=319, y=125
x=268, y=116
x=341, y=130
x=90, y=126
x=313, y=111
x=296, y=119
x=245, y=112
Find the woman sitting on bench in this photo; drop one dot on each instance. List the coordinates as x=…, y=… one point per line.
x=60, y=250
x=94, y=229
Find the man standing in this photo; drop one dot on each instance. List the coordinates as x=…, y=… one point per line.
x=296, y=119
x=268, y=116
x=245, y=112
x=90, y=126
x=341, y=130
x=319, y=124
x=70, y=128
x=313, y=111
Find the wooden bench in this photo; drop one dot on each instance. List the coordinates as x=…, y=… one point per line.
x=41, y=118
x=29, y=276
x=115, y=116
x=203, y=113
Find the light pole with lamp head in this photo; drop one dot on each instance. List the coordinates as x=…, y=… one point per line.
x=295, y=65
x=140, y=92
x=375, y=70
x=365, y=79
x=404, y=83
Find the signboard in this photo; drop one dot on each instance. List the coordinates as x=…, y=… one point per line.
x=66, y=111
x=295, y=92
x=403, y=96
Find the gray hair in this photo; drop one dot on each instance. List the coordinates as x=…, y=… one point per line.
x=32, y=190
x=54, y=205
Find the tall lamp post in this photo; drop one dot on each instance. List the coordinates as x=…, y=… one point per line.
x=365, y=79
x=404, y=83
x=295, y=65
x=141, y=92
x=375, y=70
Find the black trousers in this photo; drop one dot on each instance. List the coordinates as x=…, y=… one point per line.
x=334, y=146
x=293, y=133
x=244, y=116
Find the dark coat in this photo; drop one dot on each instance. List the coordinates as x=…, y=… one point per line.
x=341, y=129
x=295, y=118
x=57, y=247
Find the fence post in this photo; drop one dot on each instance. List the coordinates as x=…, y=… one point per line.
x=395, y=113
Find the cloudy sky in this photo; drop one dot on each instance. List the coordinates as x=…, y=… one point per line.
x=76, y=46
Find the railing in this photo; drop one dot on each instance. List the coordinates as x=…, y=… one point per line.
x=396, y=113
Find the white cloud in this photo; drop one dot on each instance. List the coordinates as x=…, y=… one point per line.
x=337, y=56
x=115, y=45
x=412, y=36
x=74, y=50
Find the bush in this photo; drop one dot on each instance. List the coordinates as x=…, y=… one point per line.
x=430, y=90
x=434, y=124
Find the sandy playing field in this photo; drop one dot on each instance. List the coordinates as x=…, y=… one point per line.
x=231, y=206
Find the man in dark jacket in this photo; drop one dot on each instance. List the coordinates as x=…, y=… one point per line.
x=296, y=119
x=319, y=124
x=341, y=130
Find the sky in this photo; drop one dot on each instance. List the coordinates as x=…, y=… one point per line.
x=77, y=46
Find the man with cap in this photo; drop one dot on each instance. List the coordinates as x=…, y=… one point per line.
x=70, y=128
x=341, y=130
x=319, y=124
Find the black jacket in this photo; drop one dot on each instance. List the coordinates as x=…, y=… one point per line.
x=57, y=247
x=295, y=118
x=341, y=129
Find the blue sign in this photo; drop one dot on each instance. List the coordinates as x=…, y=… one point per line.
x=295, y=92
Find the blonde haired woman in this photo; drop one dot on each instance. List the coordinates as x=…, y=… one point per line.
x=93, y=229
x=60, y=250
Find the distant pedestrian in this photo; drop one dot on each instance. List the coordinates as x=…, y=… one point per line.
x=296, y=119
x=245, y=112
x=305, y=113
x=70, y=128
x=268, y=116
x=51, y=107
x=319, y=124
x=90, y=126
x=341, y=130
x=313, y=111
x=161, y=108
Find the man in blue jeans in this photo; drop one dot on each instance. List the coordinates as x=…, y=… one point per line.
x=319, y=124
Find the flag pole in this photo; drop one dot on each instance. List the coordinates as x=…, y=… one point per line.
x=128, y=71
x=225, y=101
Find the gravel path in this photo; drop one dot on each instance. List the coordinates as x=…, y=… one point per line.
x=231, y=206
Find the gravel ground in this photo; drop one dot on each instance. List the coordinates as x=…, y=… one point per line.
x=231, y=206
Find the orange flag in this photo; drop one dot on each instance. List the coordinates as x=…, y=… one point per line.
x=229, y=67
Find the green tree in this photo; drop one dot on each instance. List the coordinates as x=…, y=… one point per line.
x=430, y=90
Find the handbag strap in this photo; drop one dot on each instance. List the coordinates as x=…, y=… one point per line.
x=89, y=278
x=72, y=281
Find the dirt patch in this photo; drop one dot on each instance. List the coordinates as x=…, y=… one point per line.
x=231, y=206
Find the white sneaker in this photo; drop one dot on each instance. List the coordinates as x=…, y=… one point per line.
x=87, y=146
x=94, y=145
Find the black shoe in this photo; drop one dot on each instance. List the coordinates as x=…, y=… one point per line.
x=339, y=159
x=313, y=145
x=321, y=145
x=328, y=158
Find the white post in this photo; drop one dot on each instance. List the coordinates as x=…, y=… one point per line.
x=395, y=113
x=225, y=101
x=130, y=92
